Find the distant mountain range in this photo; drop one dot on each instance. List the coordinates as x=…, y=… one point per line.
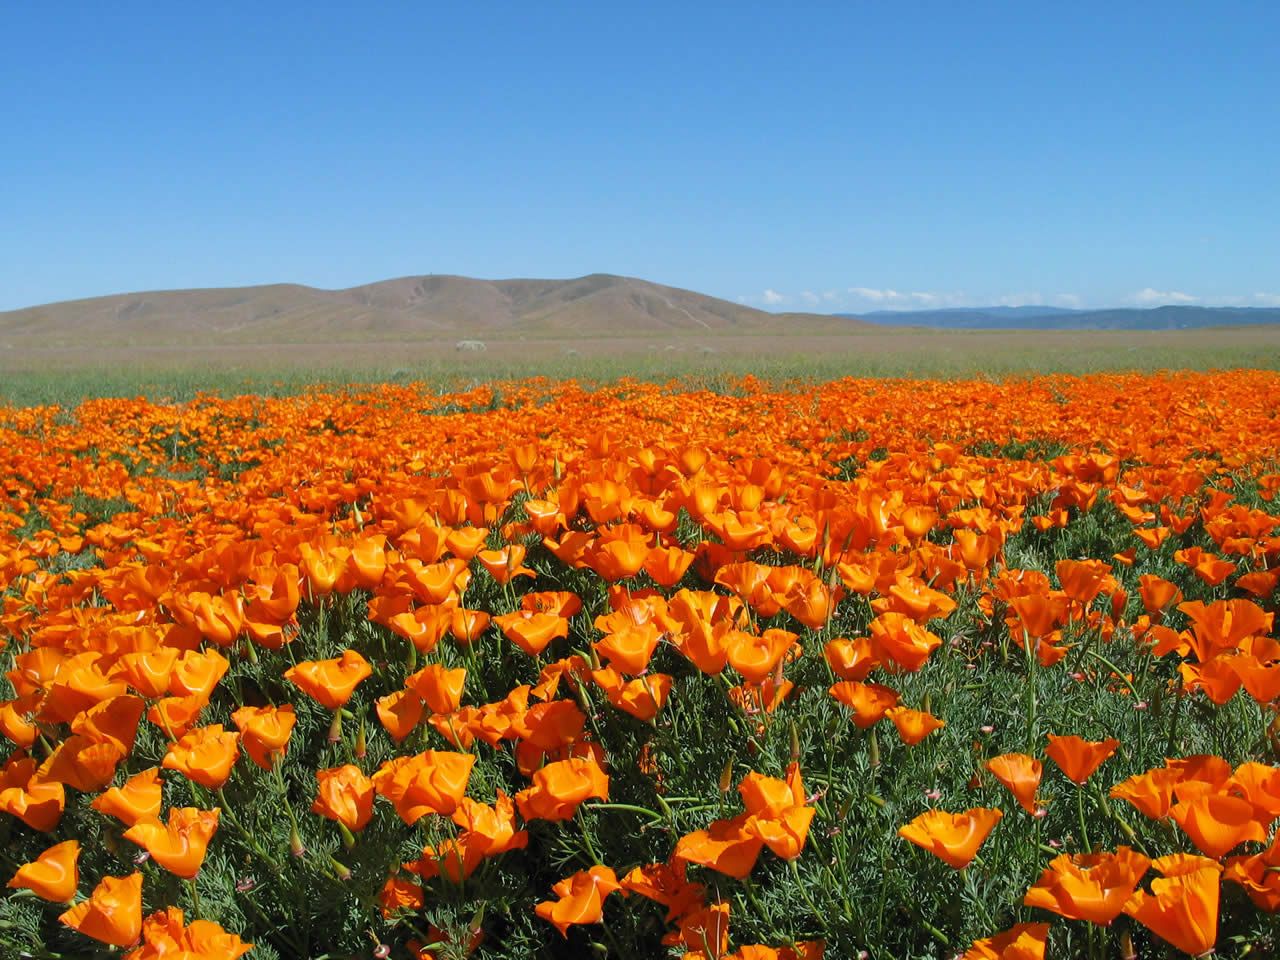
x=431, y=307
x=1059, y=318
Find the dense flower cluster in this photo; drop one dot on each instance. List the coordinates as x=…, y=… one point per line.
x=645, y=670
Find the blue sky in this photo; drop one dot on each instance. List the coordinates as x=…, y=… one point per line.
x=844, y=155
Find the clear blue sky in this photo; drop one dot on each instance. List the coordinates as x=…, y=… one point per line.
x=838, y=155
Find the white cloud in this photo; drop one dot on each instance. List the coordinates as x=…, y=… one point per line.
x=876, y=296
x=1267, y=299
x=772, y=297
x=1148, y=296
x=808, y=296
x=1019, y=300
x=1066, y=300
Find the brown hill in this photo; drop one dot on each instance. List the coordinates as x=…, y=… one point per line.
x=410, y=308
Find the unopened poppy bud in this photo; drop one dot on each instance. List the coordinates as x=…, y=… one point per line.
x=795, y=743
x=873, y=751
x=382, y=951
x=341, y=869
x=348, y=838
x=926, y=704
x=361, y=745
x=726, y=776
x=1127, y=952
x=295, y=843
x=335, y=727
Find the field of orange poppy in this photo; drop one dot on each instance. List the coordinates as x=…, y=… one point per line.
x=869, y=668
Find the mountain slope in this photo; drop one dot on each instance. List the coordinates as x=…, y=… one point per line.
x=408, y=308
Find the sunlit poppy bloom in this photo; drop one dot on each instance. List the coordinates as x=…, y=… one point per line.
x=1079, y=758
x=1023, y=941
x=1021, y=775
x=137, y=799
x=345, y=795
x=581, y=899
x=54, y=875
x=1088, y=886
x=113, y=912
x=204, y=756
x=178, y=846
x=954, y=838
x=265, y=732
x=330, y=682
x=1182, y=907
x=559, y=788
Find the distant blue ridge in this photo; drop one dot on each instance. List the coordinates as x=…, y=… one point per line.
x=1060, y=318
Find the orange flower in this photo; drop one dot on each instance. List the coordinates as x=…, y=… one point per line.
x=641, y=697
x=559, y=788
x=265, y=732
x=1259, y=875
x=1020, y=774
x=1150, y=793
x=398, y=894
x=868, y=701
x=1078, y=758
x=25, y=794
x=629, y=650
x=531, y=631
x=1182, y=908
x=431, y=782
x=581, y=898
x=851, y=659
x=165, y=935
x=491, y=830
x=898, y=638
x=505, y=565
x=113, y=912
x=1088, y=886
x=757, y=657
x=346, y=795
x=954, y=838
x=138, y=799
x=330, y=682
x=204, y=756
x=399, y=713
x=54, y=875
x=1217, y=823
x=1024, y=941
x=440, y=689
x=913, y=725
x=180, y=846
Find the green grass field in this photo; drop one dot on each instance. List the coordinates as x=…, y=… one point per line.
x=65, y=376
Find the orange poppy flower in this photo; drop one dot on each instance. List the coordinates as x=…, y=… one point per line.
x=729, y=846
x=137, y=799
x=704, y=931
x=399, y=713
x=345, y=795
x=265, y=732
x=641, y=697
x=1078, y=758
x=506, y=564
x=954, y=838
x=398, y=894
x=113, y=912
x=330, y=682
x=490, y=829
x=430, y=782
x=25, y=794
x=1088, y=886
x=757, y=657
x=1023, y=941
x=559, y=788
x=1021, y=775
x=196, y=673
x=1217, y=823
x=899, y=639
x=851, y=659
x=467, y=626
x=164, y=934
x=581, y=898
x=868, y=701
x=54, y=875
x=1158, y=594
x=1182, y=908
x=667, y=565
x=1259, y=875
x=913, y=725
x=1150, y=793
x=204, y=756
x=629, y=650
x=180, y=845
x=440, y=688
x=1082, y=580
x=532, y=632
